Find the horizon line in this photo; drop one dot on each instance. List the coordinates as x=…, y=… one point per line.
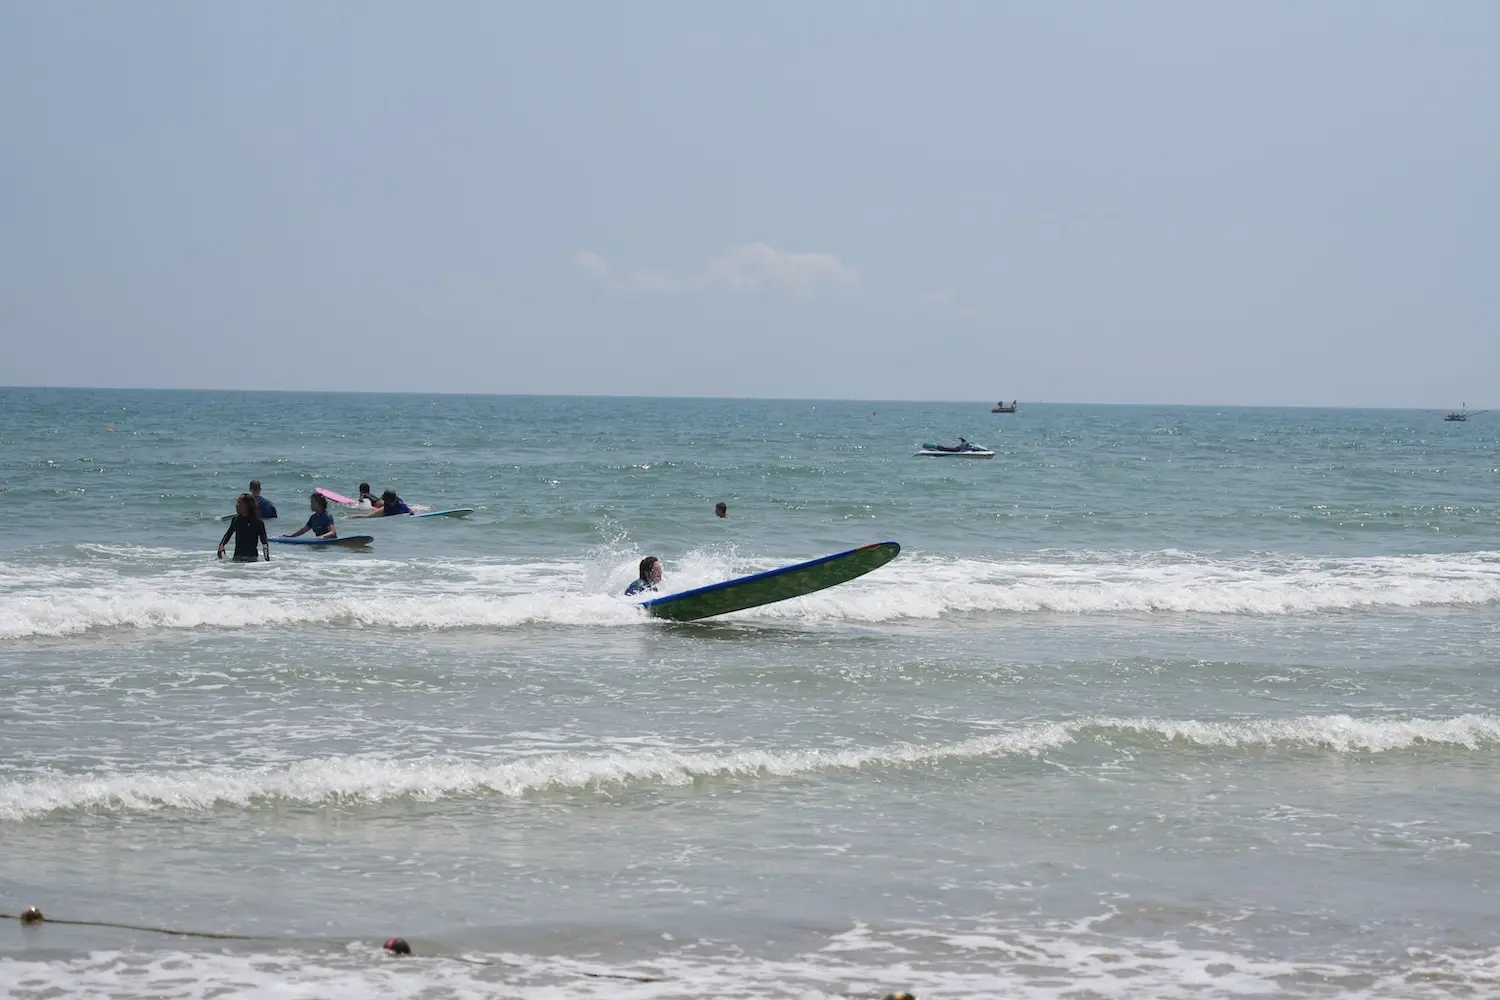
x=1463, y=408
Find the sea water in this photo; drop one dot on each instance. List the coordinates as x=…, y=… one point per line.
x=1159, y=702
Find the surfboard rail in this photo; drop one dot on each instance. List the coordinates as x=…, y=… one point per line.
x=345, y=541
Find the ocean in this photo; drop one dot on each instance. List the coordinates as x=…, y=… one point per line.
x=1160, y=702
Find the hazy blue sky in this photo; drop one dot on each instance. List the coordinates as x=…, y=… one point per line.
x=1150, y=202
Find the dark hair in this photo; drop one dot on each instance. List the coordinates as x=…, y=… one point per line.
x=320, y=500
x=721, y=508
x=364, y=488
x=389, y=495
x=646, y=565
x=255, y=484
x=248, y=501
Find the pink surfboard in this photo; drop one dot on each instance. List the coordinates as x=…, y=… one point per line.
x=335, y=497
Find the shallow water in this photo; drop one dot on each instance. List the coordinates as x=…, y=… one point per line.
x=1159, y=702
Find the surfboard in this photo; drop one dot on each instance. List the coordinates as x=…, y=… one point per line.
x=351, y=541
x=773, y=585
x=455, y=512
x=335, y=497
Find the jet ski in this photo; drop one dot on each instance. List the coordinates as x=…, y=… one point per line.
x=964, y=449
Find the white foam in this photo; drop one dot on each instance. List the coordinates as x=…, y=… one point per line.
x=1341, y=733
x=367, y=779
x=167, y=589
x=975, y=961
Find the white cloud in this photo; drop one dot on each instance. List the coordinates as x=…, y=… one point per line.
x=756, y=265
x=752, y=267
x=593, y=265
x=946, y=301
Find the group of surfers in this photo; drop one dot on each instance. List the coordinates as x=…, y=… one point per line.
x=252, y=511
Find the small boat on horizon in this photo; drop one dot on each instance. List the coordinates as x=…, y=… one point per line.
x=1000, y=407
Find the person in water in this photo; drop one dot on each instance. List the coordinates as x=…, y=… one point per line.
x=247, y=529
x=264, y=507
x=365, y=494
x=649, y=578
x=721, y=509
x=321, y=522
x=390, y=504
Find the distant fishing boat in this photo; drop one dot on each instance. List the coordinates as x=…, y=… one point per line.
x=1000, y=407
x=1463, y=414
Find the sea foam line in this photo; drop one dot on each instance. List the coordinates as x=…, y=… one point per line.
x=500, y=595
x=957, y=959
x=359, y=780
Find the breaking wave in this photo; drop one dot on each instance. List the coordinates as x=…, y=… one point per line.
x=366, y=779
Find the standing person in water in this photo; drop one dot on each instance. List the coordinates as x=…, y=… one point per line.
x=649, y=578
x=390, y=504
x=247, y=529
x=264, y=507
x=321, y=522
x=366, y=495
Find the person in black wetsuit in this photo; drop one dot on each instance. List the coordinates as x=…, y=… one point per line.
x=247, y=529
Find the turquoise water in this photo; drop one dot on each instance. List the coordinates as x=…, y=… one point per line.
x=1158, y=702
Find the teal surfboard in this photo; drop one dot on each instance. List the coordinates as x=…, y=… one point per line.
x=772, y=586
x=348, y=541
x=455, y=512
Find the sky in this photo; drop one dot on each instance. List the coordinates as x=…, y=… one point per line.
x=1267, y=204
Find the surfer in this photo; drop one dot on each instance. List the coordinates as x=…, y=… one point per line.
x=649, y=578
x=366, y=495
x=721, y=509
x=321, y=522
x=247, y=529
x=390, y=504
x=266, y=508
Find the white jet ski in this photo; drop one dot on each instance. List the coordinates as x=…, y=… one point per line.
x=964, y=449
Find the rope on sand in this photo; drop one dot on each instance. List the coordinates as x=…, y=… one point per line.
x=396, y=946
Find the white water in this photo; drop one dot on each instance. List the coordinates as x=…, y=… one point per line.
x=369, y=779
x=170, y=589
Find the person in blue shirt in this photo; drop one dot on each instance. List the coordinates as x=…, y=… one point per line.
x=390, y=504
x=267, y=508
x=649, y=578
x=321, y=522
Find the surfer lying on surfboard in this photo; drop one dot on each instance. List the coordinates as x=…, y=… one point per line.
x=390, y=504
x=321, y=522
x=649, y=578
